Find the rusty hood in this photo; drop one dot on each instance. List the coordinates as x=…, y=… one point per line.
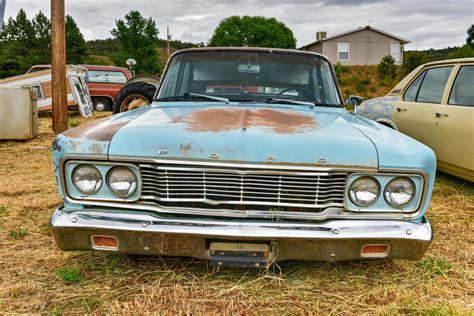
x=250, y=133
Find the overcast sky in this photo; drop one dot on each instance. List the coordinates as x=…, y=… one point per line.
x=426, y=23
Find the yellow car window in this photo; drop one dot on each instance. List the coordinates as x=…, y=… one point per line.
x=432, y=87
x=463, y=89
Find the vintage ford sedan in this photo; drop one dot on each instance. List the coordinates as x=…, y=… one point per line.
x=246, y=157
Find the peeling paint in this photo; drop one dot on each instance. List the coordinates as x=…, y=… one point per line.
x=218, y=120
x=185, y=148
x=101, y=131
x=98, y=148
x=56, y=145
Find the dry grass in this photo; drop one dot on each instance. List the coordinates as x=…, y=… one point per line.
x=37, y=277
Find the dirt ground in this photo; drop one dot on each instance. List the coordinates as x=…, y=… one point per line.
x=36, y=277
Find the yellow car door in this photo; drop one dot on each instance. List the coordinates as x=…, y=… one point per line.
x=455, y=125
x=415, y=116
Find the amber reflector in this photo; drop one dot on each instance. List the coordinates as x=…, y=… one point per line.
x=375, y=249
x=105, y=241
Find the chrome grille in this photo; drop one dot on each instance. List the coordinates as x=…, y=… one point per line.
x=177, y=185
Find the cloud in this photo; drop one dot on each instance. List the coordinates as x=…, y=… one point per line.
x=427, y=23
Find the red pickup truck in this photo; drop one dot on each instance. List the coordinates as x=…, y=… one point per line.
x=104, y=82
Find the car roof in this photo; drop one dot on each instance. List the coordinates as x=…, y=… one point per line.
x=90, y=67
x=450, y=61
x=41, y=66
x=99, y=67
x=249, y=49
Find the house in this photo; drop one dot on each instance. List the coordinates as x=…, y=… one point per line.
x=362, y=46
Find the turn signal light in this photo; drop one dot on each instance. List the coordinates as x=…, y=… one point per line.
x=374, y=251
x=105, y=242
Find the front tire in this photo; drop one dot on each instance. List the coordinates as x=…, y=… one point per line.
x=133, y=96
x=101, y=104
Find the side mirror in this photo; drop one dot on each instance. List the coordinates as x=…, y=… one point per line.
x=353, y=101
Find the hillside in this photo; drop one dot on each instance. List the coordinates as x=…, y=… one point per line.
x=362, y=80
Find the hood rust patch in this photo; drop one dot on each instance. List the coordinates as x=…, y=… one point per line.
x=219, y=120
x=101, y=130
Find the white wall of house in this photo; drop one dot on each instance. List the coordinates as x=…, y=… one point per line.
x=363, y=47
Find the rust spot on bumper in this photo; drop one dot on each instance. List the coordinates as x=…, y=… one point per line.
x=218, y=120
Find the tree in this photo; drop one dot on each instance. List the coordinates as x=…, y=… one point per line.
x=462, y=52
x=76, y=46
x=470, y=35
x=24, y=43
x=413, y=59
x=253, y=31
x=41, y=53
x=137, y=37
x=387, y=69
x=18, y=42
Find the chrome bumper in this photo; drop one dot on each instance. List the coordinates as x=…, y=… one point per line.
x=149, y=234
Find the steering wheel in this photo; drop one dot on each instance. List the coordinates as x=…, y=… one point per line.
x=301, y=92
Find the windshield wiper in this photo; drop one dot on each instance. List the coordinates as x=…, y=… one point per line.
x=204, y=96
x=189, y=96
x=289, y=101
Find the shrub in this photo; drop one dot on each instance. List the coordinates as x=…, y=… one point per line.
x=340, y=69
x=387, y=68
x=361, y=86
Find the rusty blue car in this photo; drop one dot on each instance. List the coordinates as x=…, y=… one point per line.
x=246, y=157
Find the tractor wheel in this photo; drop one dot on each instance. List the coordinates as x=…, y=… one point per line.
x=133, y=96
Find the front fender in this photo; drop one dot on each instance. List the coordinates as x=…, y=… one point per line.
x=379, y=109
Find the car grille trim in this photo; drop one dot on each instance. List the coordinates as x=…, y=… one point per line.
x=317, y=191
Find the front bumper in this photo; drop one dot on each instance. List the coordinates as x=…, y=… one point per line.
x=149, y=234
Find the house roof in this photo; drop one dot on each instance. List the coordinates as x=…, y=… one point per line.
x=368, y=27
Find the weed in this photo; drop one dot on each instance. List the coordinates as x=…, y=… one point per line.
x=45, y=229
x=17, y=233
x=55, y=311
x=275, y=213
x=74, y=122
x=434, y=266
x=3, y=209
x=69, y=275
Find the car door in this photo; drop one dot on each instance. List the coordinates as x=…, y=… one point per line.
x=455, y=123
x=416, y=115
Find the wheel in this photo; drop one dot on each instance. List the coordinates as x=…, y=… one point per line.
x=133, y=96
x=101, y=104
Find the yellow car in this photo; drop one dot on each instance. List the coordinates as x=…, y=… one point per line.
x=435, y=105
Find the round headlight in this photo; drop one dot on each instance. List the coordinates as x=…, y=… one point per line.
x=87, y=179
x=364, y=191
x=399, y=192
x=122, y=181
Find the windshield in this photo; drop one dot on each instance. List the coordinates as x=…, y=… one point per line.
x=250, y=76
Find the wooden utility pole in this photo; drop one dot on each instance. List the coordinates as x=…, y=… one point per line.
x=58, y=66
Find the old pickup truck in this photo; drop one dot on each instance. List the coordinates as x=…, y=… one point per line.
x=247, y=156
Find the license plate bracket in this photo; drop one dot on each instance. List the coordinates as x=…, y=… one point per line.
x=240, y=254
